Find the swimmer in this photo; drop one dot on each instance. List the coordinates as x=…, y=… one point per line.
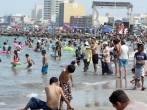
x=29, y=61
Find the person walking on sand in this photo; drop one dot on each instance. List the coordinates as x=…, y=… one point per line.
x=121, y=101
x=94, y=49
x=139, y=62
x=53, y=93
x=64, y=79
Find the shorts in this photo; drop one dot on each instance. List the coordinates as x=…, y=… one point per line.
x=29, y=65
x=67, y=91
x=44, y=69
x=39, y=104
x=123, y=62
x=139, y=72
x=95, y=58
x=116, y=57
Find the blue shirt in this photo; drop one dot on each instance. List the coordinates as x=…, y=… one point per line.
x=139, y=58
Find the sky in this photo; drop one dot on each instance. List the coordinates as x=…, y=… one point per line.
x=25, y=6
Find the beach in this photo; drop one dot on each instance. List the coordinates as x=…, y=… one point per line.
x=91, y=92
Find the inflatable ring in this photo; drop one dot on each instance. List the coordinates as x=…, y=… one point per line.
x=16, y=63
x=69, y=48
x=15, y=44
x=4, y=52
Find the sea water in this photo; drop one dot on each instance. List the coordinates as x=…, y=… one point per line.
x=18, y=85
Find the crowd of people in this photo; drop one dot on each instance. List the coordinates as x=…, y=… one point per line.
x=87, y=50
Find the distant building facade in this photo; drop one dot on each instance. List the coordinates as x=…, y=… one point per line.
x=70, y=9
x=51, y=9
x=81, y=21
x=140, y=19
x=37, y=12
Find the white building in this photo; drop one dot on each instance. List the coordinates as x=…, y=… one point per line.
x=51, y=9
x=37, y=12
x=140, y=19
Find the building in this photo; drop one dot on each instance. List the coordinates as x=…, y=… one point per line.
x=37, y=12
x=140, y=19
x=70, y=9
x=81, y=21
x=51, y=9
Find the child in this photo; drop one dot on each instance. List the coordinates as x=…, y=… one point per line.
x=139, y=62
x=16, y=57
x=133, y=71
x=64, y=78
x=44, y=62
x=9, y=50
x=58, y=51
x=29, y=61
x=5, y=46
x=37, y=49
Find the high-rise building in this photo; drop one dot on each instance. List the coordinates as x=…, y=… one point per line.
x=37, y=12
x=70, y=9
x=51, y=9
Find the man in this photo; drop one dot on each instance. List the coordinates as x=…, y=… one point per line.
x=120, y=101
x=53, y=92
x=123, y=58
x=94, y=49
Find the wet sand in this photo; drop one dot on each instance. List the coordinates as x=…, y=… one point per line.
x=98, y=97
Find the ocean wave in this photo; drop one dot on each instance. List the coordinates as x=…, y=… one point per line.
x=2, y=104
x=94, y=84
x=32, y=95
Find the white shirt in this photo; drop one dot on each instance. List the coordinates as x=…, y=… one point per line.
x=124, y=52
x=136, y=106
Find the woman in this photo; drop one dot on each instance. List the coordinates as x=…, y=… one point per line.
x=87, y=55
x=106, y=63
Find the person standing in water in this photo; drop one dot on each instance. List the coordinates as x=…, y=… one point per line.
x=44, y=62
x=94, y=49
x=29, y=61
x=64, y=79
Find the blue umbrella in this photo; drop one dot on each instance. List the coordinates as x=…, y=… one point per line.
x=107, y=30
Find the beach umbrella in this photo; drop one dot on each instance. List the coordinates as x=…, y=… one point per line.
x=107, y=30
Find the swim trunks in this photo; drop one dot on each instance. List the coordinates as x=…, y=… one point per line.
x=95, y=58
x=44, y=69
x=39, y=104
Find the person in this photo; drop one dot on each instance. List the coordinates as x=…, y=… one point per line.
x=16, y=57
x=64, y=79
x=37, y=49
x=106, y=63
x=9, y=50
x=29, y=61
x=87, y=55
x=5, y=46
x=123, y=58
x=58, y=50
x=94, y=49
x=78, y=53
x=18, y=47
x=44, y=62
x=116, y=51
x=121, y=101
x=139, y=62
x=53, y=93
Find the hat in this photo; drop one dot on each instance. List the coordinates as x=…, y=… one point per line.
x=106, y=43
x=86, y=43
